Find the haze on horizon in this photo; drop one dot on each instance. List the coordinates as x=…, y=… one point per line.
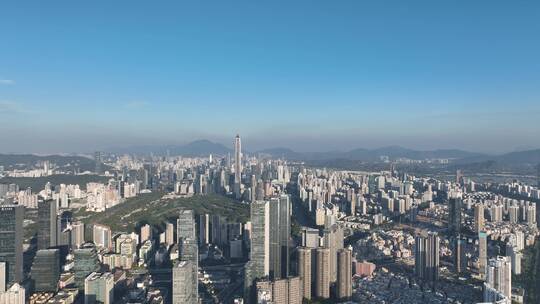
x=309, y=75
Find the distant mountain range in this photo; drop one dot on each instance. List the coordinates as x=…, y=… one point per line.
x=206, y=147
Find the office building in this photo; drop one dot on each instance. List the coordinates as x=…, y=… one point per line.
x=11, y=238
x=344, y=275
x=304, y=270
x=184, y=288
x=85, y=262
x=259, y=263
x=47, y=226
x=45, y=270
x=460, y=259
x=185, y=226
x=454, y=211
x=98, y=158
x=280, y=232
x=426, y=258
x=99, y=288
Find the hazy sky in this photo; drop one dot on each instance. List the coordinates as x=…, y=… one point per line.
x=313, y=75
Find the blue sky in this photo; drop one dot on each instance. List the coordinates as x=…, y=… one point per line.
x=310, y=75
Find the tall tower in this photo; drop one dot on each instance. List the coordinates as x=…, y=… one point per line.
x=47, y=224
x=188, y=252
x=280, y=232
x=259, y=260
x=11, y=246
x=237, y=165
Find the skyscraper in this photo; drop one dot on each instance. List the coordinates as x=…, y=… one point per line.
x=237, y=166
x=426, y=257
x=482, y=253
x=47, y=216
x=85, y=261
x=204, y=229
x=454, y=211
x=283, y=291
x=102, y=236
x=460, y=259
x=185, y=226
x=77, y=234
x=99, y=288
x=169, y=234
x=333, y=240
x=479, y=217
x=304, y=270
x=322, y=278
x=11, y=247
x=98, y=158
x=344, y=275
x=280, y=231
x=188, y=250
x=259, y=263
x=46, y=270
x=498, y=280
x=184, y=288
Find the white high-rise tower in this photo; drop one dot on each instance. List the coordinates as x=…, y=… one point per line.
x=237, y=165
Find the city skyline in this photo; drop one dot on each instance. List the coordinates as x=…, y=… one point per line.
x=77, y=77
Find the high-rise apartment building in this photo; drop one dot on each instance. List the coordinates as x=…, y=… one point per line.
x=304, y=270
x=102, y=236
x=426, y=257
x=344, y=275
x=282, y=291
x=169, y=234
x=479, y=217
x=498, y=285
x=482, y=253
x=322, y=278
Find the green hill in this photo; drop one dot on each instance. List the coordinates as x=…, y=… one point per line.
x=151, y=208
